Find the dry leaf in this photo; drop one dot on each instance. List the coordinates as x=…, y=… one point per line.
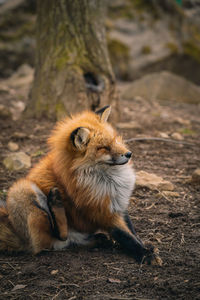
x=18, y=287
x=114, y=280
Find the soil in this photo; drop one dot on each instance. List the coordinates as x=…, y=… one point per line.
x=171, y=223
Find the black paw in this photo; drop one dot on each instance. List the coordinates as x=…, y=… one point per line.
x=54, y=198
x=100, y=240
x=151, y=256
x=57, y=211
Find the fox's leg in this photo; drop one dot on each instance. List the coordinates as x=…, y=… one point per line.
x=123, y=235
x=51, y=231
x=30, y=217
x=130, y=225
x=129, y=222
x=52, y=205
x=57, y=211
x=39, y=231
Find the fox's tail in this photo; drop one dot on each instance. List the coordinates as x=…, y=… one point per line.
x=9, y=241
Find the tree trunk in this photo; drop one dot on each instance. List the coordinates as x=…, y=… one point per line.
x=73, y=70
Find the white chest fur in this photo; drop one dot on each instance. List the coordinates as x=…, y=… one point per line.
x=116, y=182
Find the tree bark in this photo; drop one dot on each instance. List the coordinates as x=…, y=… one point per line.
x=73, y=70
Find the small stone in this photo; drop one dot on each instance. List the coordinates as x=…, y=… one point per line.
x=153, y=182
x=17, y=161
x=177, y=136
x=16, y=109
x=54, y=272
x=13, y=146
x=163, y=135
x=196, y=176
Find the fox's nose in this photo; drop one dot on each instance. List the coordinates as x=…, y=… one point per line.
x=128, y=154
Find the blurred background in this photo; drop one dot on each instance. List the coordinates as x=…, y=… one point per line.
x=143, y=37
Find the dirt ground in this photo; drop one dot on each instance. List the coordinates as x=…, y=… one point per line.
x=172, y=223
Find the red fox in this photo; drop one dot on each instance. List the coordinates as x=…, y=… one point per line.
x=81, y=186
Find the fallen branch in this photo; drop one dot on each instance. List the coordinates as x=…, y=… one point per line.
x=157, y=139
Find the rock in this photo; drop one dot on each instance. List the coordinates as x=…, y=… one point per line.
x=196, y=177
x=153, y=182
x=177, y=136
x=156, y=44
x=128, y=125
x=182, y=121
x=4, y=112
x=155, y=86
x=13, y=146
x=22, y=77
x=163, y=135
x=16, y=109
x=16, y=90
x=54, y=272
x=17, y=161
x=145, y=44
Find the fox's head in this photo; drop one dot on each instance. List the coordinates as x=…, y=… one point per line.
x=89, y=139
x=100, y=144
x=87, y=153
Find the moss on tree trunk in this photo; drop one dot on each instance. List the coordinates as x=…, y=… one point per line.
x=73, y=70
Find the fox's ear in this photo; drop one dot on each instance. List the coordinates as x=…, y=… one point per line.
x=104, y=113
x=80, y=137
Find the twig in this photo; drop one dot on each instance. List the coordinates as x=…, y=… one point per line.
x=72, y=284
x=11, y=283
x=157, y=139
x=11, y=266
x=54, y=297
x=182, y=238
x=149, y=207
x=164, y=196
x=73, y=297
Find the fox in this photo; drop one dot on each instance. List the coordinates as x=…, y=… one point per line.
x=81, y=187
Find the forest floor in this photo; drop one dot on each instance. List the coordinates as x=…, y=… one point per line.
x=171, y=222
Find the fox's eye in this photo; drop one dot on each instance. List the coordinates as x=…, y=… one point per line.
x=103, y=148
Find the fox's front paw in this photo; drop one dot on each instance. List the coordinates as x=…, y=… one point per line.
x=57, y=211
x=54, y=198
x=151, y=256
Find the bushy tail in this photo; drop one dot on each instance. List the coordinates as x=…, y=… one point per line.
x=9, y=241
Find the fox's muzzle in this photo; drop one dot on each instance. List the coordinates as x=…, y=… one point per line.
x=122, y=159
